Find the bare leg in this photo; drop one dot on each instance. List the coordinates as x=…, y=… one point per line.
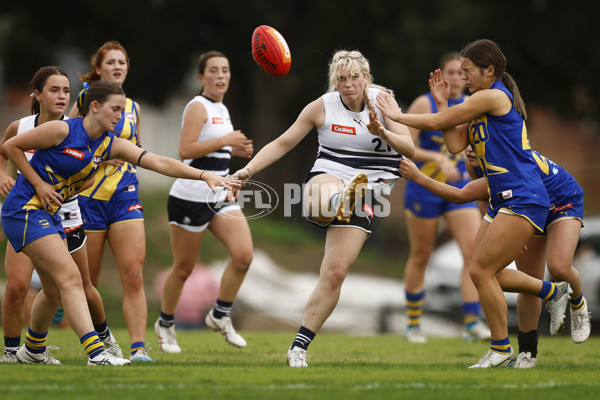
x=464, y=224
x=185, y=246
x=531, y=261
x=562, y=241
x=53, y=262
x=94, y=299
x=342, y=246
x=421, y=235
x=128, y=243
x=18, y=277
x=233, y=231
x=497, y=244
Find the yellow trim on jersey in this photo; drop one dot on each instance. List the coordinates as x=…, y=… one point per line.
x=507, y=211
x=108, y=176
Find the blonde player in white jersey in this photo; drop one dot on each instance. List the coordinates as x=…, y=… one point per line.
x=358, y=150
x=208, y=140
x=50, y=98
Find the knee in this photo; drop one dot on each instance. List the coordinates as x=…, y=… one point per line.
x=419, y=258
x=15, y=291
x=476, y=274
x=182, y=272
x=133, y=278
x=242, y=260
x=69, y=282
x=558, y=271
x=336, y=276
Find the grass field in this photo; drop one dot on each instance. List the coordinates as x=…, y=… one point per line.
x=341, y=367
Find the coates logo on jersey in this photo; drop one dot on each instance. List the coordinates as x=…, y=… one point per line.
x=97, y=160
x=73, y=153
x=129, y=115
x=346, y=130
x=218, y=120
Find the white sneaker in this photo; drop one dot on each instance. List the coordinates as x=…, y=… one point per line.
x=167, y=339
x=9, y=357
x=476, y=333
x=297, y=357
x=224, y=326
x=557, y=307
x=415, y=335
x=26, y=357
x=491, y=359
x=524, y=360
x=112, y=346
x=105, y=358
x=580, y=323
x=141, y=355
x=350, y=195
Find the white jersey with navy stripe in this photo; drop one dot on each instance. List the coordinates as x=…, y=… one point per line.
x=346, y=147
x=218, y=124
x=25, y=124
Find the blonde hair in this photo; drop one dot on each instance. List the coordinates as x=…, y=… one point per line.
x=344, y=62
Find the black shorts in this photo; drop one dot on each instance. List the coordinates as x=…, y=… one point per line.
x=194, y=216
x=361, y=219
x=75, y=238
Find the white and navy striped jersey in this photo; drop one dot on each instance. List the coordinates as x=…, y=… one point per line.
x=25, y=124
x=346, y=147
x=218, y=124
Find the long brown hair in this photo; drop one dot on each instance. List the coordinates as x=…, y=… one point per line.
x=484, y=53
x=39, y=80
x=98, y=91
x=97, y=59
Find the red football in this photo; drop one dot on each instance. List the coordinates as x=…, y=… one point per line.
x=270, y=51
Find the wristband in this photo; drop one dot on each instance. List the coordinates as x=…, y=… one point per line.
x=201, y=175
x=140, y=158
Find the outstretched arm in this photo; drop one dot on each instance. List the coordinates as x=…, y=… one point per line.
x=312, y=115
x=129, y=152
x=474, y=190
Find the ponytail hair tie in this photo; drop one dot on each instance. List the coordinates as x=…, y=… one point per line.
x=81, y=95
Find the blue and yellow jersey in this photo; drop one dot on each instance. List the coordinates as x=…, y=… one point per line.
x=559, y=183
x=119, y=183
x=66, y=166
x=505, y=156
x=434, y=141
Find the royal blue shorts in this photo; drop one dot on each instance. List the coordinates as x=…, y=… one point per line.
x=98, y=215
x=424, y=204
x=535, y=214
x=22, y=227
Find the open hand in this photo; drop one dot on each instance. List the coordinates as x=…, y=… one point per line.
x=374, y=126
x=440, y=88
x=388, y=106
x=227, y=182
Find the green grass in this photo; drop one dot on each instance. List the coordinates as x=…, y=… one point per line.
x=341, y=367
